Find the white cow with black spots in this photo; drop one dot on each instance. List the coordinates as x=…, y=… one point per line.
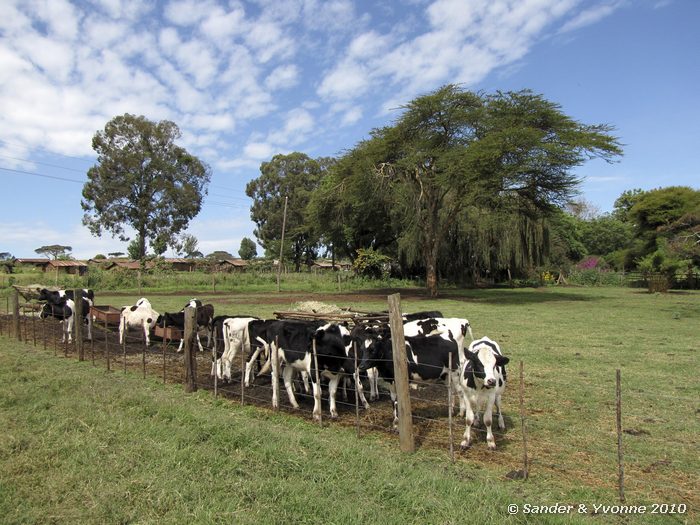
x=483, y=380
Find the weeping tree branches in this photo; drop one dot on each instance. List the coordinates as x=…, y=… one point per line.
x=510, y=154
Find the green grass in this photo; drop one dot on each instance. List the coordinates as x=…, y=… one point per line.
x=83, y=445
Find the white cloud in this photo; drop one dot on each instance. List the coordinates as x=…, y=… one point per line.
x=187, y=12
x=258, y=150
x=283, y=77
x=590, y=16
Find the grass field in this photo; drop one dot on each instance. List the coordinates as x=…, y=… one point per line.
x=85, y=445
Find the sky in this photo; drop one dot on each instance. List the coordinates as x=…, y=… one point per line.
x=246, y=80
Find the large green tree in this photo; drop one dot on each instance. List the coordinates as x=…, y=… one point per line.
x=453, y=148
x=248, y=250
x=144, y=180
x=294, y=176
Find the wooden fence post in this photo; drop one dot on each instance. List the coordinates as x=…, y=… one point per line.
x=15, y=314
x=398, y=346
x=107, y=346
x=620, y=465
x=78, y=323
x=449, y=407
x=357, y=390
x=526, y=472
x=318, y=391
x=165, y=343
x=190, y=361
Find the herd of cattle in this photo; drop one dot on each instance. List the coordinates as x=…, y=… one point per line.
x=435, y=349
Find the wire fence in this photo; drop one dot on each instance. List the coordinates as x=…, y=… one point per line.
x=660, y=454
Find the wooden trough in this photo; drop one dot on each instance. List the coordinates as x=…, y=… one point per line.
x=105, y=314
x=168, y=333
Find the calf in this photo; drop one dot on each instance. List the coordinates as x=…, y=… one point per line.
x=63, y=309
x=141, y=316
x=235, y=337
x=428, y=359
x=449, y=328
x=56, y=295
x=203, y=317
x=483, y=378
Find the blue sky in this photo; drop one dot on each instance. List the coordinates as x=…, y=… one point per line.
x=247, y=80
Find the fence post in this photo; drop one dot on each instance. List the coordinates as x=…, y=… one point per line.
x=620, y=465
x=190, y=362
x=165, y=343
x=398, y=346
x=15, y=314
x=449, y=406
x=78, y=323
x=357, y=391
x=522, y=422
x=318, y=391
x=242, y=376
x=107, y=346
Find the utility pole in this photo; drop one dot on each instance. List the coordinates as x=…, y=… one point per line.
x=284, y=225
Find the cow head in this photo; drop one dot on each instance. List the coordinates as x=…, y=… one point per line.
x=373, y=351
x=484, y=357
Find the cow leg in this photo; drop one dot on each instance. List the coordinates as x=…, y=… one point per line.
x=372, y=376
x=146, y=332
x=469, y=418
x=360, y=390
x=249, y=365
x=69, y=322
x=89, y=327
x=305, y=380
x=287, y=375
x=488, y=419
x=332, y=390
x=179, y=348
x=317, y=400
x=501, y=421
x=199, y=343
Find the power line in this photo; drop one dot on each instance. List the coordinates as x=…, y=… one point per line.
x=43, y=164
x=64, y=179
x=32, y=148
x=42, y=175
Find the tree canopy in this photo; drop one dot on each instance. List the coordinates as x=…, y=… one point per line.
x=144, y=180
x=295, y=176
x=453, y=156
x=248, y=249
x=54, y=250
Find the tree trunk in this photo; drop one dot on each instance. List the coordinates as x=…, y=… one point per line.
x=432, y=246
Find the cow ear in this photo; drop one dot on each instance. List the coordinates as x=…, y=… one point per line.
x=502, y=360
x=472, y=356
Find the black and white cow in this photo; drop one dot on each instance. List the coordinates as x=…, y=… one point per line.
x=231, y=336
x=483, y=379
x=63, y=309
x=428, y=359
x=449, y=328
x=56, y=295
x=140, y=315
x=204, y=315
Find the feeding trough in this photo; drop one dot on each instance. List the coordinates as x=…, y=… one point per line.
x=105, y=314
x=168, y=333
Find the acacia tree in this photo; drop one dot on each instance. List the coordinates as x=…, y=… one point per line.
x=453, y=148
x=54, y=250
x=144, y=180
x=295, y=176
